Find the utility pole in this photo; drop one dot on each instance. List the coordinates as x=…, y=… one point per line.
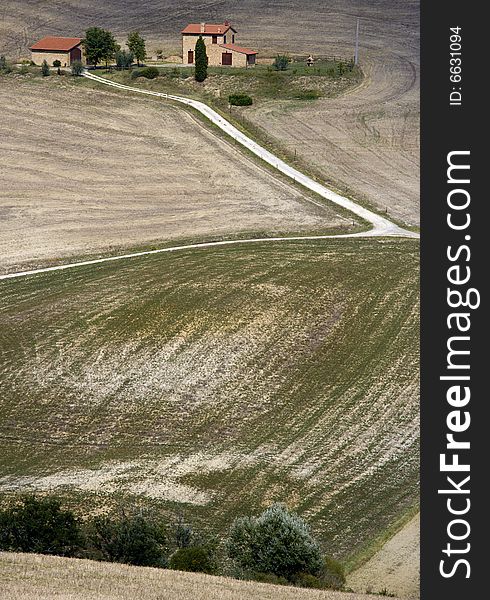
x=356, y=53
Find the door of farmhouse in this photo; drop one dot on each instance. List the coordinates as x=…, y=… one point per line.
x=227, y=58
x=190, y=57
x=75, y=54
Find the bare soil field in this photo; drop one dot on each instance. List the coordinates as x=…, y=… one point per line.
x=37, y=577
x=87, y=171
x=395, y=567
x=219, y=381
x=366, y=142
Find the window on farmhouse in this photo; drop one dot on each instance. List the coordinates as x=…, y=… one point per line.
x=224, y=40
x=233, y=39
x=215, y=39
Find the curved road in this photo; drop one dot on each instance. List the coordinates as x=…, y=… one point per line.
x=380, y=225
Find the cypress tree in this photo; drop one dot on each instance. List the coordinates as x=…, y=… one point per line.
x=201, y=59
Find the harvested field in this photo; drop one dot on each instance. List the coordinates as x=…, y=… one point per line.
x=86, y=171
x=37, y=577
x=395, y=567
x=366, y=141
x=219, y=381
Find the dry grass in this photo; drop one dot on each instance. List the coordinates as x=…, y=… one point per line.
x=93, y=171
x=37, y=577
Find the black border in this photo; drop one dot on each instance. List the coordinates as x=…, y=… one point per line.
x=444, y=129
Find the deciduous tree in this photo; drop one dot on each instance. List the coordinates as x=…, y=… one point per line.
x=137, y=46
x=99, y=45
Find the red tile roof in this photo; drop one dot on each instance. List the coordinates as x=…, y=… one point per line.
x=209, y=29
x=63, y=44
x=236, y=48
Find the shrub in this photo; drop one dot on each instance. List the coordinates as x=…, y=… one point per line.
x=332, y=574
x=240, y=100
x=45, y=69
x=306, y=580
x=39, y=525
x=3, y=63
x=201, y=60
x=124, y=59
x=197, y=559
x=134, y=540
x=183, y=534
x=77, y=68
x=269, y=578
x=308, y=95
x=24, y=70
x=281, y=63
x=57, y=63
x=277, y=542
x=148, y=72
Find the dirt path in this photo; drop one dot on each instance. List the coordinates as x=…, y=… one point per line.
x=395, y=567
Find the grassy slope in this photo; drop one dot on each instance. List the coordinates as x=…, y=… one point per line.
x=35, y=577
x=218, y=381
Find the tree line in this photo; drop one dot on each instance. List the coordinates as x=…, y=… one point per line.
x=274, y=547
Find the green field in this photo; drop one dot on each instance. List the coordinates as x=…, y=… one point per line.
x=214, y=382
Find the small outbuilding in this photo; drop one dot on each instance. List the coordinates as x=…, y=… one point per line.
x=50, y=49
x=221, y=48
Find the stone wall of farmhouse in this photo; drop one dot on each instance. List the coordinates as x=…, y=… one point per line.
x=214, y=51
x=50, y=57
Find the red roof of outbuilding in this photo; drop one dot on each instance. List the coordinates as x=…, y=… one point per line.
x=236, y=48
x=209, y=29
x=57, y=43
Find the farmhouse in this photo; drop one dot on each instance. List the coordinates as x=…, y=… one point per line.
x=220, y=45
x=66, y=50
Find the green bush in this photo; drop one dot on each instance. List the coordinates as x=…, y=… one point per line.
x=24, y=70
x=77, y=68
x=39, y=525
x=306, y=580
x=45, y=69
x=240, y=100
x=124, y=59
x=133, y=540
x=269, y=578
x=147, y=72
x=183, y=534
x=332, y=574
x=281, y=63
x=197, y=559
x=277, y=542
x=3, y=62
x=308, y=95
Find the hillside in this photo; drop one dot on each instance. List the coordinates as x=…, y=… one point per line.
x=366, y=142
x=112, y=173
x=36, y=577
x=220, y=380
